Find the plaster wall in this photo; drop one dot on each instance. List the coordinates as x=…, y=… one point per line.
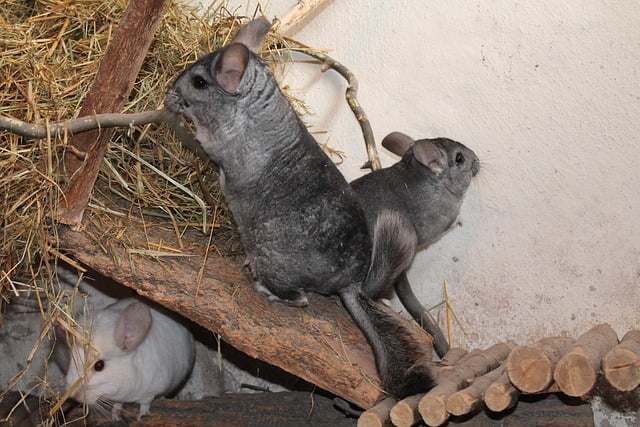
x=547, y=95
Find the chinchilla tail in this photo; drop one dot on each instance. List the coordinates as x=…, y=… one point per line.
x=394, y=245
x=402, y=361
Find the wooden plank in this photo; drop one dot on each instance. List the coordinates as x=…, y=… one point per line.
x=109, y=92
x=319, y=343
x=307, y=409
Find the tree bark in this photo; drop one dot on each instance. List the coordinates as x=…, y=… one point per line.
x=108, y=94
x=319, y=343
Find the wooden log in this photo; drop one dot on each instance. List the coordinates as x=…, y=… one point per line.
x=501, y=395
x=319, y=343
x=405, y=413
x=452, y=357
x=469, y=399
x=621, y=365
x=576, y=372
x=379, y=415
x=108, y=93
x=530, y=367
x=433, y=405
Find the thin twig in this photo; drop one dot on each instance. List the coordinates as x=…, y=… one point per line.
x=83, y=124
x=350, y=96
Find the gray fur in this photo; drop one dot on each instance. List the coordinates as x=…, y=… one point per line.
x=425, y=190
x=300, y=222
x=391, y=229
x=428, y=200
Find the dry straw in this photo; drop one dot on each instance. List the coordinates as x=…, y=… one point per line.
x=49, y=53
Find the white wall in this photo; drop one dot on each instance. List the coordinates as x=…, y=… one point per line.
x=548, y=95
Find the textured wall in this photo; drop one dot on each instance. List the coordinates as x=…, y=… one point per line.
x=547, y=95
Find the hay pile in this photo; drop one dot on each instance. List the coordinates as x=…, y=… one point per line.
x=50, y=51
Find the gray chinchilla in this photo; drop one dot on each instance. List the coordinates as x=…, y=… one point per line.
x=426, y=188
x=300, y=222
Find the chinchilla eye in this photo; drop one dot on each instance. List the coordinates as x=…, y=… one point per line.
x=459, y=158
x=198, y=82
x=99, y=365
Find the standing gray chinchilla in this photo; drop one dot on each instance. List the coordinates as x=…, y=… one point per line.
x=300, y=222
x=426, y=188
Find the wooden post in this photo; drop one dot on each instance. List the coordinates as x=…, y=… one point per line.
x=109, y=92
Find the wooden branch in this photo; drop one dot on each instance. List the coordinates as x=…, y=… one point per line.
x=469, y=399
x=319, y=343
x=621, y=365
x=432, y=406
x=351, y=97
x=501, y=395
x=108, y=93
x=285, y=25
x=297, y=15
x=531, y=367
x=577, y=370
x=379, y=415
x=82, y=124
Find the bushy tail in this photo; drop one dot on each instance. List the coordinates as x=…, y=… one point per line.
x=396, y=348
x=394, y=245
x=402, y=361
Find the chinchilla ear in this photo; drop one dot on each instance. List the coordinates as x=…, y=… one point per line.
x=132, y=326
x=229, y=69
x=430, y=156
x=252, y=33
x=397, y=142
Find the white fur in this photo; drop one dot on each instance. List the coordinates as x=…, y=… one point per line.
x=156, y=367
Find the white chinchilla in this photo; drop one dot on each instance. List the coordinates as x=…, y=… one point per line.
x=134, y=353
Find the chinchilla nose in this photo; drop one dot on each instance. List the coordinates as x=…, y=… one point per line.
x=475, y=167
x=174, y=100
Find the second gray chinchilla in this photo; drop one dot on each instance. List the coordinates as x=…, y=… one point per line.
x=300, y=222
x=426, y=187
